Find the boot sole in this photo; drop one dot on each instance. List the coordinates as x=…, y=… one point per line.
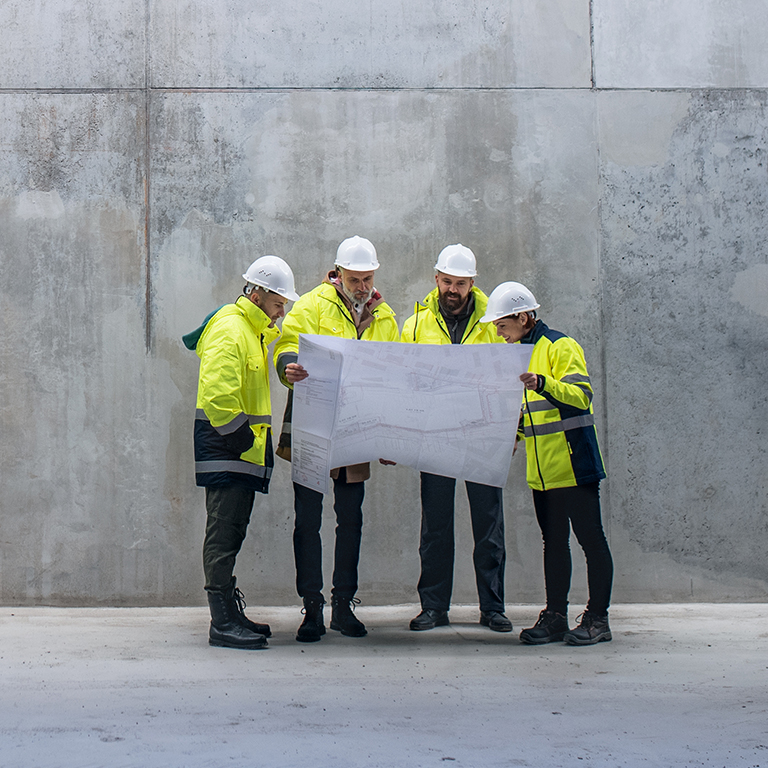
x=249, y=647
x=604, y=638
x=337, y=628
x=556, y=638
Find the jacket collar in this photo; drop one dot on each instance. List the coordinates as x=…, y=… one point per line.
x=257, y=318
x=366, y=317
x=538, y=330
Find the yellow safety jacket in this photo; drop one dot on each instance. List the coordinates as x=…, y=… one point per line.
x=427, y=326
x=558, y=423
x=233, y=445
x=322, y=312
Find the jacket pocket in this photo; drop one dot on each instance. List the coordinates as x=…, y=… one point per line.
x=331, y=327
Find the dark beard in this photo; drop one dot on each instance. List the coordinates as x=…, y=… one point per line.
x=452, y=305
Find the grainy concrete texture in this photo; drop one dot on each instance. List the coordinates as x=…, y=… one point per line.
x=140, y=688
x=610, y=155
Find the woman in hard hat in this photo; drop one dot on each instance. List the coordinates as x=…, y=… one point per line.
x=564, y=466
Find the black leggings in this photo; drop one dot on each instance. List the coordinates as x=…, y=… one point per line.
x=557, y=510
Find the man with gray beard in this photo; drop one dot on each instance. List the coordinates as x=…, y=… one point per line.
x=345, y=305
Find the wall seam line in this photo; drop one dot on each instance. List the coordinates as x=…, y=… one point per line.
x=147, y=184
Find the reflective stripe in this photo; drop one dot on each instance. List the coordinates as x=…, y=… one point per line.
x=587, y=392
x=540, y=405
x=242, y=467
x=560, y=426
x=286, y=430
x=232, y=426
x=574, y=378
x=236, y=423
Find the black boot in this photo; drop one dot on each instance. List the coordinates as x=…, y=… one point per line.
x=238, y=606
x=343, y=619
x=312, y=628
x=429, y=619
x=592, y=629
x=550, y=628
x=226, y=631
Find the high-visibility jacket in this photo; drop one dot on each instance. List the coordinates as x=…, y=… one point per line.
x=322, y=312
x=427, y=326
x=233, y=444
x=558, y=423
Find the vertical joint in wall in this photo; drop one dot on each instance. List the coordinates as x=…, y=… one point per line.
x=147, y=182
x=591, y=44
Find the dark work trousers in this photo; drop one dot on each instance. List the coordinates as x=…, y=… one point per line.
x=557, y=510
x=437, y=543
x=307, y=544
x=229, y=512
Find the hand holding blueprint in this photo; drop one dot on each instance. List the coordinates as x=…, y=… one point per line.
x=450, y=410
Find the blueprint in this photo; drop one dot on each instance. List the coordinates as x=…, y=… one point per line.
x=450, y=410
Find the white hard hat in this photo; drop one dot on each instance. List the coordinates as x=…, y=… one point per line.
x=509, y=299
x=272, y=273
x=457, y=260
x=358, y=254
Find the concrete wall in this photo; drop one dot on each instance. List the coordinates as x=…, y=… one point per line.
x=611, y=155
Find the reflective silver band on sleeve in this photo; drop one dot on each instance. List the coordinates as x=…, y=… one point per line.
x=232, y=426
x=575, y=378
x=286, y=429
x=236, y=423
x=587, y=420
x=540, y=405
x=242, y=467
x=587, y=392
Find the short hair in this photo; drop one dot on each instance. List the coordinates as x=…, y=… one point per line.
x=248, y=289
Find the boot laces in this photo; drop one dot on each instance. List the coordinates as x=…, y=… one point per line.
x=239, y=600
x=313, y=604
x=347, y=602
x=546, y=618
x=587, y=619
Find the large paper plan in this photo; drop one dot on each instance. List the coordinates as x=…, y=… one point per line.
x=450, y=410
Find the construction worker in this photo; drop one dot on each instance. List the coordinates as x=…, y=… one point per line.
x=451, y=314
x=345, y=305
x=233, y=443
x=564, y=466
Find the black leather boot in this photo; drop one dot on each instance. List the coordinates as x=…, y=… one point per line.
x=226, y=631
x=343, y=619
x=592, y=629
x=312, y=628
x=238, y=606
x=550, y=628
x=429, y=619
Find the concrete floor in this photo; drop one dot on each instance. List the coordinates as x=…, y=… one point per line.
x=680, y=685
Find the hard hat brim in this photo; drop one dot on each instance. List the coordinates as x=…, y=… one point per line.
x=489, y=318
x=290, y=295
x=456, y=272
